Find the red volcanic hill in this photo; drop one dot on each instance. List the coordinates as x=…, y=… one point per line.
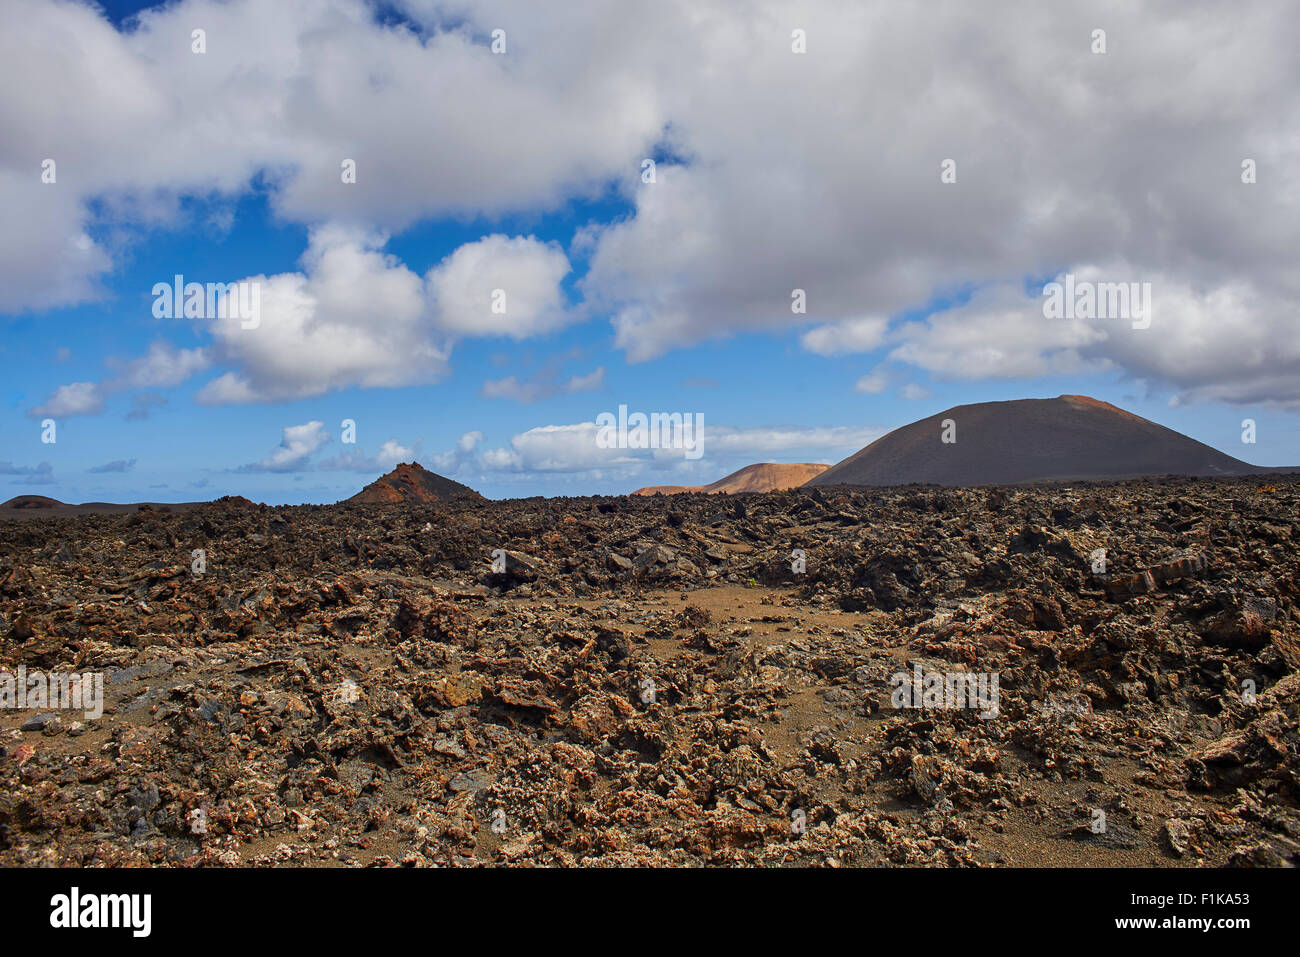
x=412, y=483
x=761, y=477
x=1069, y=438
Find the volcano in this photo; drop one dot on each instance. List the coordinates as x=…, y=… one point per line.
x=760, y=477
x=412, y=483
x=1069, y=438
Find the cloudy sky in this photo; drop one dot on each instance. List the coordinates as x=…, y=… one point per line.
x=646, y=186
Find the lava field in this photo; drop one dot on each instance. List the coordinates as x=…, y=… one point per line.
x=686, y=680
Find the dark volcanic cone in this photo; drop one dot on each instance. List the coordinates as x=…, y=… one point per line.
x=1068, y=438
x=412, y=483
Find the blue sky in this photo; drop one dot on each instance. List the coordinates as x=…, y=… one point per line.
x=670, y=296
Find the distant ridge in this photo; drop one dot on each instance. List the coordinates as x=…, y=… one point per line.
x=412, y=483
x=42, y=506
x=1071, y=437
x=32, y=501
x=760, y=477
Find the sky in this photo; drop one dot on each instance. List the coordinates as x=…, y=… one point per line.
x=470, y=228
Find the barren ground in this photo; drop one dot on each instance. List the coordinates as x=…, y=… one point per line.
x=649, y=681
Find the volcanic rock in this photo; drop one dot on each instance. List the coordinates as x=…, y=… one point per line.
x=347, y=685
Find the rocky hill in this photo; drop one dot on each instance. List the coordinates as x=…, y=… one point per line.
x=411, y=483
x=760, y=477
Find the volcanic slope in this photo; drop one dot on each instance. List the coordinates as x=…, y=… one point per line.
x=760, y=477
x=412, y=483
x=1069, y=438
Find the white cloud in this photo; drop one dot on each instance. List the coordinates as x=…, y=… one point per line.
x=455, y=460
x=786, y=440
x=46, y=257
x=573, y=449
x=557, y=448
x=354, y=316
x=522, y=274
x=1208, y=341
x=290, y=90
x=355, y=460
x=1000, y=333
x=162, y=367
x=299, y=442
x=873, y=383
x=818, y=172
x=392, y=452
x=75, y=398
x=855, y=335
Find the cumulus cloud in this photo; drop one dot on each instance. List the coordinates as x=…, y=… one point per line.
x=873, y=383
x=787, y=440
x=298, y=443
x=1001, y=333
x=390, y=453
x=855, y=335
x=500, y=286
x=1226, y=342
x=455, y=460
x=47, y=259
x=573, y=448
x=1207, y=341
x=289, y=90
x=557, y=448
x=847, y=204
x=75, y=398
x=354, y=316
x=817, y=172
x=164, y=365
